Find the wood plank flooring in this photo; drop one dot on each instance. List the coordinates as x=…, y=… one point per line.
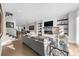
x=73, y=49
x=17, y=48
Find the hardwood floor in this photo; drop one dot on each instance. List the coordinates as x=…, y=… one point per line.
x=73, y=49
x=17, y=48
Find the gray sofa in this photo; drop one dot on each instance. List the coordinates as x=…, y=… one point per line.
x=35, y=44
x=44, y=49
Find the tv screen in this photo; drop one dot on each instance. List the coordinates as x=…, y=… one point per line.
x=31, y=27
x=49, y=23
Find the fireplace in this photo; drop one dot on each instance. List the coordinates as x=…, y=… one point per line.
x=48, y=32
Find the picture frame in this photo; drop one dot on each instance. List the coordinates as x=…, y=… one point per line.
x=9, y=24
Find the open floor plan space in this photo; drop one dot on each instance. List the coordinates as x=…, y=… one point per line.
x=39, y=29
x=17, y=48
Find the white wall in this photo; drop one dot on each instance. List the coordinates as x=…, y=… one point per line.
x=44, y=20
x=72, y=26
x=4, y=29
x=77, y=27
x=77, y=30
x=4, y=38
x=18, y=28
x=35, y=27
x=11, y=30
x=54, y=23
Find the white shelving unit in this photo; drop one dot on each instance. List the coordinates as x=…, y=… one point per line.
x=40, y=28
x=63, y=23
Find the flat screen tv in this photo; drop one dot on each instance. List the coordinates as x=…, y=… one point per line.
x=48, y=23
x=31, y=27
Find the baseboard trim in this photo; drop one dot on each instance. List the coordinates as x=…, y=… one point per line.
x=73, y=42
x=77, y=44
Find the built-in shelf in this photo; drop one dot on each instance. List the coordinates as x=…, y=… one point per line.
x=63, y=23
x=8, y=14
x=66, y=33
x=63, y=20
x=40, y=28
x=39, y=23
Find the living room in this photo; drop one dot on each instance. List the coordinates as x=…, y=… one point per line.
x=46, y=29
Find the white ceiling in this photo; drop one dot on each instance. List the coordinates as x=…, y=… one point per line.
x=28, y=12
